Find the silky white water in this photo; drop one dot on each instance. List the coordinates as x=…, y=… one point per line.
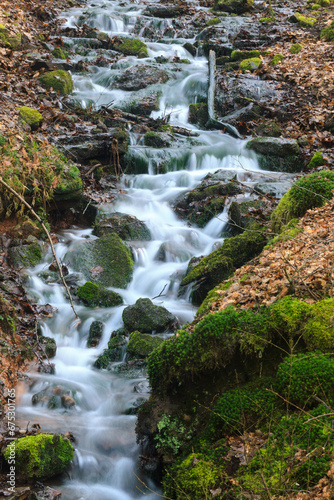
x=106, y=462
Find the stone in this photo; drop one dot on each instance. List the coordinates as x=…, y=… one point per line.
x=274, y=153
x=31, y=116
x=140, y=345
x=49, y=346
x=233, y=6
x=139, y=77
x=106, y=261
x=24, y=256
x=128, y=227
x=95, y=333
x=129, y=46
x=163, y=11
x=146, y=317
x=60, y=80
x=96, y=295
x=114, y=352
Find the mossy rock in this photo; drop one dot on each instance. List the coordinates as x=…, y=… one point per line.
x=317, y=160
x=9, y=42
x=268, y=128
x=239, y=55
x=240, y=217
x=31, y=116
x=250, y=64
x=41, y=457
x=296, y=48
x=277, y=59
x=114, y=352
x=25, y=255
x=157, y=140
x=198, y=114
x=313, y=190
x=128, y=227
x=327, y=33
x=60, y=80
x=58, y=53
x=106, y=261
x=219, y=265
x=146, y=317
x=305, y=22
x=141, y=345
x=275, y=153
x=96, y=295
x=130, y=46
x=49, y=346
x=70, y=185
x=233, y=6
x=95, y=333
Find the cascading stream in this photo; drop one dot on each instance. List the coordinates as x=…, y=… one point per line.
x=106, y=462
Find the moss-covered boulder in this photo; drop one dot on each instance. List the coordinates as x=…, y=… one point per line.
x=233, y=6
x=70, y=185
x=25, y=255
x=129, y=46
x=219, y=265
x=250, y=64
x=146, y=317
x=40, y=457
x=106, y=261
x=114, y=352
x=95, y=333
x=31, y=116
x=157, y=139
x=60, y=81
x=58, y=53
x=128, y=227
x=198, y=114
x=239, y=55
x=313, y=190
x=317, y=160
x=98, y=296
x=305, y=22
x=240, y=215
x=268, y=128
x=274, y=153
x=141, y=345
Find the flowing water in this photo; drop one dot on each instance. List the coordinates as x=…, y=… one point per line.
x=106, y=463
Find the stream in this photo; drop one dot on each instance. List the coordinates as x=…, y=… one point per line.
x=107, y=456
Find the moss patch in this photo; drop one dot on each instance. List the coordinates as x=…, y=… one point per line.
x=42, y=456
x=296, y=48
x=141, y=345
x=250, y=64
x=60, y=80
x=95, y=295
x=327, y=33
x=130, y=47
x=31, y=116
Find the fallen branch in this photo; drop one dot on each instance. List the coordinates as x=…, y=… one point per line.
x=22, y=200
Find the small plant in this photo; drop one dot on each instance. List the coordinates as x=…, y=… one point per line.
x=327, y=33
x=171, y=435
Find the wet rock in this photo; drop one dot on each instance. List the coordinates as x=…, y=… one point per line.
x=143, y=106
x=133, y=409
x=280, y=155
x=164, y=11
x=69, y=187
x=190, y=48
x=129, y=46
x=133, y=369
x=142, y=387
x=53, y=398
x=67, y=401
x=106, y=261
x=200, y=205
x=24, y=255
x=241, y=117
x=95, y=333
x=41, y=457
x=276, y=189
x=47, y=493
x=49, y=346
x=114, y=352
x=240, y=214
x=233, y=6
x=268, y=128
x=95, y=295
x=157, y=139
x=198, y=114
x=84, y=147
x=141, y=345
x=49, y=368
x=139, y=77
x=128, y=227
x=146, y=317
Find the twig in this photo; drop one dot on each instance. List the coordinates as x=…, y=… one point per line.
x=48, y=236
x=160, y=294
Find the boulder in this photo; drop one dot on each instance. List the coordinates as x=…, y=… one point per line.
x=239, y=214
x=139, y=77
x=54, y=398
x=141, y=345
x=25, y=255
x=60, y=81
x=31, y=116
x=128, y=227
x=146, y=317
x=114, y=352
x=274, y=153
x=233, y=6
x=40, y=457
x=95, y=295
x=95, y=333
x=129, y=46
x=106, y=261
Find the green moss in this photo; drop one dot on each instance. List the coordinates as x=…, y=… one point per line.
x=31, y=116
x=95, y=295
x=141, y=345
x=303, y=376
x=25, y=255
x=130, y=47
x=266, y=20
x=277, y=59
x=213, y=21
x=42, y=456
x=316, y=6
x=316, y=161
x=324, y=3
x=212, y=297
x=60, y=80
x=155, y=140
x=70, y=184
x=250, y=64
x=114, y=352
x=194, y=477
x=58, y=53
x=239, y=55
x=296, y=48
x=233, y=6
x=198, y=114
x=313, y=190
x=319, y=330
x=146, y=317
x=327, y=33
x=305, y=22
x=287, y=232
